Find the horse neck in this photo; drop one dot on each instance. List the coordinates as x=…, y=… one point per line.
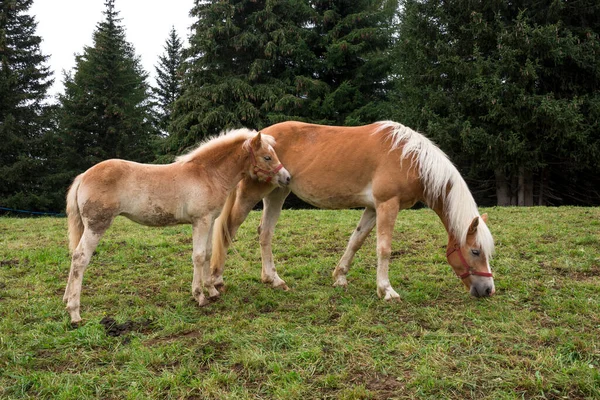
x=440, y=211
x=225, y=164
x=455, y=217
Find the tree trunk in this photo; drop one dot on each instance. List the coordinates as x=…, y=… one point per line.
x=503, y=196
x=525, y=196
x=542, y=194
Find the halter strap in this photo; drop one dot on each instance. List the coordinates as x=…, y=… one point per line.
x=269, y=174
x=470, y=270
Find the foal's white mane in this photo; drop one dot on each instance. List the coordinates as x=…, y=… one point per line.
x=221, y=139
x=442, y=181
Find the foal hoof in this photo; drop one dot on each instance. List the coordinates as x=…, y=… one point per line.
x=203, y=301
x=76, y=324
x=388, y=294
x=213, y=293
x=282, y=286
x=341, y=282
x=218, y=281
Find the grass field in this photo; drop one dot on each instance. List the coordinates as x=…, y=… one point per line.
x=144, y=337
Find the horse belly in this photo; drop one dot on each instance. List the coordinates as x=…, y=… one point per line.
x=154, y=213
x=327, y=198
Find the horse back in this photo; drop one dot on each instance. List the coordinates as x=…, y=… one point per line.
x=342, y=167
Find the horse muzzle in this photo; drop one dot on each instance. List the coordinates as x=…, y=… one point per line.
x=482, y=287
x=283, y=178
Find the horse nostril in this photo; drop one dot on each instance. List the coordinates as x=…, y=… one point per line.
x=289, y=178
x=488, y=291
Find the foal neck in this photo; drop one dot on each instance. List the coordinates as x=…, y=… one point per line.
x=224, y=163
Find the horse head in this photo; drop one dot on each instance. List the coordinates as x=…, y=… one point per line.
x=265, y=163
x=470, y=261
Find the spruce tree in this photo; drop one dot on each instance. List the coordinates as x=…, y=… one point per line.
x=510, y=90
x=106, y=108
x=351, y=66
x=24, y=121
x=168, y=79
x=257, y=62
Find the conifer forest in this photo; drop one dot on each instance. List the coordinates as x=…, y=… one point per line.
x=509, y=90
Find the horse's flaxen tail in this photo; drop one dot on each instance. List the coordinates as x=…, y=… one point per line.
x=221, y=235
x=74, y=216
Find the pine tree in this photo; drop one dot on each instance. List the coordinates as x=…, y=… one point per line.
x=257, y=62
x=351, y=66
x=24, y=123
x=510, y=90
x=106, y=108
x=168, y=79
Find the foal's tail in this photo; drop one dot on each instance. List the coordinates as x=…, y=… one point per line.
x=73, y=215
x=221, y=235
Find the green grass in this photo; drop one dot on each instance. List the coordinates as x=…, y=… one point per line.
x=538, y=338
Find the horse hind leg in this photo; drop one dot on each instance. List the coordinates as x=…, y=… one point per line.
x=79, y=262
x=364, y=227
x=386, y=218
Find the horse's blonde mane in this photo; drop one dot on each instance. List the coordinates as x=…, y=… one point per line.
x=221, y=139
x=441, y=180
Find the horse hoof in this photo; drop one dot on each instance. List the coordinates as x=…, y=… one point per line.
x=76, y=324
x=341, y=282
x=218, y=282
x=392, y=296
x=282, y=286
x=213, y=293
x=203, y=301
x=388, y=294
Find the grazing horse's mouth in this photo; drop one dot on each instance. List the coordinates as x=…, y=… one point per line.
x=483, y=288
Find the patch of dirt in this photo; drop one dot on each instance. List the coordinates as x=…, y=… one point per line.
x=593, y=272
x=9, y=263
x=114, y=329
x=384, y=387
x=397, y=254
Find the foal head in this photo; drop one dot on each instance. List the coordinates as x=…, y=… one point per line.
x=265, y=165
x=470, y=261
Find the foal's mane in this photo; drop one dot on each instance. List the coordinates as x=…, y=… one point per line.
x=442, y=182
x=222, y=139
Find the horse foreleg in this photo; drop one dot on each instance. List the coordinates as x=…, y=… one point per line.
x=386, y=218
x=272, y=209
x=79, y=261
x=202, y=249
x=232, y=216
x=364, y=227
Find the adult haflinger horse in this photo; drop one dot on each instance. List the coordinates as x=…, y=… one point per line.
x=384, y=167
x=192, y=190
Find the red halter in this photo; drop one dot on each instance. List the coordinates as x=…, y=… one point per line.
x=470, y=270
x=269, y=174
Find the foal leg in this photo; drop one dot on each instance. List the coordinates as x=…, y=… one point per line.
x=386, y=218
x=202, y=238
x=79, y=261
x=364, y=227
x=272, y=209
x=249, y=193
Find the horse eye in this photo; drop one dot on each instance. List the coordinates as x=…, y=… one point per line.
x=267, y=158
x=475, y=253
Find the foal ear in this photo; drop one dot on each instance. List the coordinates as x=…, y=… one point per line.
x=256, y=141
x=484, y=218
x=473, y=226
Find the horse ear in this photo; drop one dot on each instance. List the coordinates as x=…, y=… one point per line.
x=257, y=142
x=473, y=226
x=484, y=218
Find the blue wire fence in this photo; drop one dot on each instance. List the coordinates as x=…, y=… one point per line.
x=52, y=214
